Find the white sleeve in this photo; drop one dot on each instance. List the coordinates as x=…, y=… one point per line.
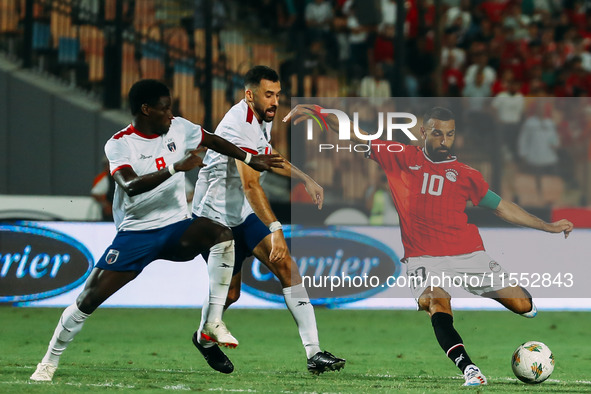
x=233, y=133
x=118, y=154
x=193, y=133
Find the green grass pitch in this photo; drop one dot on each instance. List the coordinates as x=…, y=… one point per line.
x=150, y=350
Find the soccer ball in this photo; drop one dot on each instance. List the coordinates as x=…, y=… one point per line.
x=532, y=362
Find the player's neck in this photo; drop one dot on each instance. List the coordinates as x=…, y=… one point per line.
x=143, y=128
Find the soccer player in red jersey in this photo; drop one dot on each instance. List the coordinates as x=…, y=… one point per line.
x=430, y=189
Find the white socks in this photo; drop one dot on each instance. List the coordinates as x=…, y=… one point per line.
x=70, y=324
x=220, y=266
x=298, y=303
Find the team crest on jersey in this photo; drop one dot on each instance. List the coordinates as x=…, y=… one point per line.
x=112, y=256
x=451, y=174
x=171, y=146
x=494, y=266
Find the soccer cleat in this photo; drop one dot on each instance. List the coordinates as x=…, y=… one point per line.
x=217, y=332
x=473, y=376
x=44, y=372
x=214, y=357
x=324, y=361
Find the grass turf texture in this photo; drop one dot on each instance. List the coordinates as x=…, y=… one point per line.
x=150, y=350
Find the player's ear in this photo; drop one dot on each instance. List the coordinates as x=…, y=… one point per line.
x=423, y=133
x=145, y=109
x=249, y=95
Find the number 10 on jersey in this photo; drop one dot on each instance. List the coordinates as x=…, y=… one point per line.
x=432, y=184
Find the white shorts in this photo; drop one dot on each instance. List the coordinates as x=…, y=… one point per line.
x=476, y=272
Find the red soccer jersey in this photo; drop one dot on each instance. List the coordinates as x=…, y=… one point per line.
x=430, y=198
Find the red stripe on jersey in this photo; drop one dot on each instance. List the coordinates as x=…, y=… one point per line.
x=118, y=168
x=132, y=130
x=250, y=115
x=254, y=152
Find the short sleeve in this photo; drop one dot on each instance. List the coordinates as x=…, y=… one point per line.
x=117, y=151
x=232, y=132
x=193, y=133
x=477, y=187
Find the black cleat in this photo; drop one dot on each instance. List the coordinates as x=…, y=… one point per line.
x=214, y=357
x=324, y=361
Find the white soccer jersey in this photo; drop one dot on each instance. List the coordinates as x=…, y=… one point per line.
x=218, y=193
x=165, y=204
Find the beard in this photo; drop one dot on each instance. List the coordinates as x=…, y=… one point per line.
x=266, y=114
x=438, y=154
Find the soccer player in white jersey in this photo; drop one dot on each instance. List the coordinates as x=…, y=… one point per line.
x=230, y=193
x=148, y=160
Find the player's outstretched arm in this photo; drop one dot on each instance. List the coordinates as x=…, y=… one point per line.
x=262, y=208
x=302, y=112
x=134, y=184
x=514, y=214
x=289, y=170
x=258, y=162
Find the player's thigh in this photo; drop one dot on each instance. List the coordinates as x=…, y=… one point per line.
x=425, y=278
x=198, y=237
x=101, y=284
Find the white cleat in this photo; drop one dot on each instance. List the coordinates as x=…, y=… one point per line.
x=217, y=332
x=473, y=376
x=44, y=372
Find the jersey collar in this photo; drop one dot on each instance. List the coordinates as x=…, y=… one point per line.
x=133, y=130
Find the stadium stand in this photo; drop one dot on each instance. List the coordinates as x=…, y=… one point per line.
x=543, y=50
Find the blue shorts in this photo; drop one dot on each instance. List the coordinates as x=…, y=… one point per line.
x=134, y=250
x=246, y=237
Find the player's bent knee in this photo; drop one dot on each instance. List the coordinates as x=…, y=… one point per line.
x=436, y=300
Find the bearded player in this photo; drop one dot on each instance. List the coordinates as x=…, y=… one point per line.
x=430, y=189
x=230, y=193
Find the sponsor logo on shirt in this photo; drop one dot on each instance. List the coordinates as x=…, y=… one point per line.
x=324, y=254
x=37, y=263
x=415, y=168
x=143, y=157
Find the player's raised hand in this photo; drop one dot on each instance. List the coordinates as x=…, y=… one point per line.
x=191, y=160
x=300, y=112
x=265, y=162
x=561, y=226
x=315, y=191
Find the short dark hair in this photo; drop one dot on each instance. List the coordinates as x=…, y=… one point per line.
x=253, y=77
x=438, y=113
x=146, y=91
